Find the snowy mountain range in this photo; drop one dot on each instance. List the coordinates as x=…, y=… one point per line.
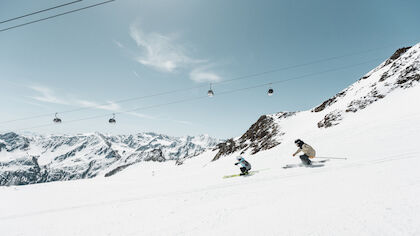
x=28, y=159
x=401, y=71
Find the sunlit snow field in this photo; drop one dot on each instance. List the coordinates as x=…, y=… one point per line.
x=374, y=192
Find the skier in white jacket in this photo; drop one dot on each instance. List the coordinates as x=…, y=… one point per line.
x=308, y=152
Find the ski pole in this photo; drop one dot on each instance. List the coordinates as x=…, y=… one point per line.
x=338, y=158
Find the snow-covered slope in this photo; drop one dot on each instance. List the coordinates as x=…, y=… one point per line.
x=374, y=192
x=27, y=159
x=399, y=73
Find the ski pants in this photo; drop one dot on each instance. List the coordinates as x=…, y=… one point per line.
x=305, y=159
x=244, y=169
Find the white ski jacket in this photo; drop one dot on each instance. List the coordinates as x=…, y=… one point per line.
x=308, y=150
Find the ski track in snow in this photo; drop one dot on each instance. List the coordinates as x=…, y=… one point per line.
x=353, y=165
x=234, y=188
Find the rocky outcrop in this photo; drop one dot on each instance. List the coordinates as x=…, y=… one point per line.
x=28, y=172
x=155, y=155
x=410, y=75
x=226, y=148
x=118, y=169
x=262, y=135
x=401, y=70
x=328, y=102
x=12, y=141
x=396, y=55
x=330, y=119
x=405, y=67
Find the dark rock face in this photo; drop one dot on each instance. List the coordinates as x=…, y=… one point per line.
x=13, y=141
x=401, y=70
x=384, y=76
x=2, y=146
x=29, y=172
x=330, y=119
x=396, y=55
x=262, y=135
x=329, y=102
x=362, y=103
x=406, y=79
x=410, y=75
x=226, y=148
x=118, y=169
x=155, y=155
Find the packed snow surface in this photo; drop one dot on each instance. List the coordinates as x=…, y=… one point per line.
x=374, y=192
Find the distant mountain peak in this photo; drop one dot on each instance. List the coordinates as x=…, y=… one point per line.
x=65, y=157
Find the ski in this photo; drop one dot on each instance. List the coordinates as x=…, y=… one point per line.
x=237, y=175
x=335, y=158
x=292, y=166
x=314, y=164
x=302, y=165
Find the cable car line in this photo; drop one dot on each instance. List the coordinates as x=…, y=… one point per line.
x=203, y=97
x=54, y=16
x=302, y=65
x=255, y=75
x=104, y=104
x=40, y=11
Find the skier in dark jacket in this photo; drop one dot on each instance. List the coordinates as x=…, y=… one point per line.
x=245, y=165
x=308, y=152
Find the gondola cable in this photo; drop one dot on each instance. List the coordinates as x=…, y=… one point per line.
x=40, y=11
x=57, y=15
x=255, y=75
x=203, y=97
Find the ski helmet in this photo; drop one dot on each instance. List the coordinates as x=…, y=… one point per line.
x=238, y=158
x=299, y=142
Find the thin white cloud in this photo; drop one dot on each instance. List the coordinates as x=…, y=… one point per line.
x=46, y=95
x=141, y=115
x=166, y=119
x=120, y=45
x=184, y=122
x=164, y=53
x=161, y=52
x=201, y=74
x=32, y=103
x=110, y=106
x=136, y=74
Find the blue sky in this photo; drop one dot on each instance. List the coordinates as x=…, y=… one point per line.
x=130, y=48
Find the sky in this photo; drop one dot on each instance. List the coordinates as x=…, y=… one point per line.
x=132, y=48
